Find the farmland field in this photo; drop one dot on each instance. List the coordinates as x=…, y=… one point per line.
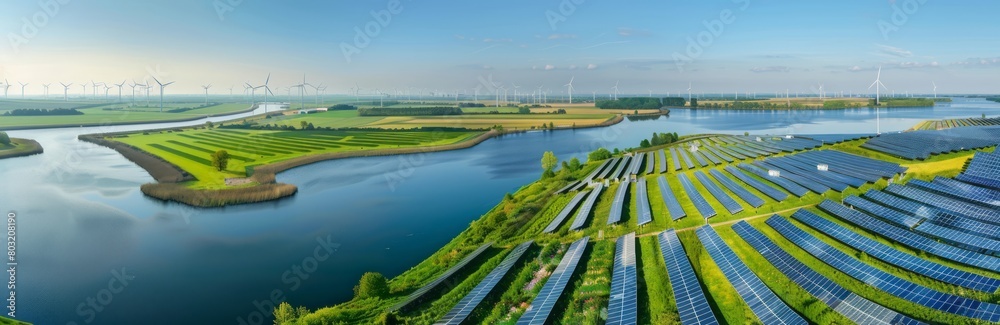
x=191, y=149
x=99, y=115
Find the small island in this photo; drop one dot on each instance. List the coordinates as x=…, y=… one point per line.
x=15, y=147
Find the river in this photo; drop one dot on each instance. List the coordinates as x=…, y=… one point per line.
x=85, y=230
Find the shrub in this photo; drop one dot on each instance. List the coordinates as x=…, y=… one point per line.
x=372, y=285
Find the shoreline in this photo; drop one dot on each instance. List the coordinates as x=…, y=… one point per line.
x=169, y=177
x=33, y=148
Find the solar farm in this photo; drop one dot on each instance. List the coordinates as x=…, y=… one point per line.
x=741, y=229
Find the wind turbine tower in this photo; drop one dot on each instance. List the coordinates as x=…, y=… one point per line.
x=162, y=86
x=569, y=88
x=66, y=91
x=22, y=89
x=877, y=84
x=206, y=92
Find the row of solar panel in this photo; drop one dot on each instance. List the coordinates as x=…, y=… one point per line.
x=541, y=306
x=464, y=308
x=418, y=295
x=847, y=303
x=885, y=281
x=623, y=302
x=924, y=143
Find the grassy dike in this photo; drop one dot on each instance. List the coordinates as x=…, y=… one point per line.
x=522, y=215
x=20, y=148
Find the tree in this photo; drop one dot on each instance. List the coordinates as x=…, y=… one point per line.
x=220, y=160
x=746, y=134
x=372, y=285
x=209, y=124
x=574, y=164
x=523, y=110
x=552, y=126
x=599, y=154
x=644, y=143
x=284, y=314
x=304, y=124
x=694, y=102
x=4, y=138
x=549, y=161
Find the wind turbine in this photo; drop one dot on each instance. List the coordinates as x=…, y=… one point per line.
x=162, y=86
x=206, y=92
x=93, y=89
x=148, y=87
x=876, y=84
x=266, y=91
x=133, y=85
x=6, y=85
x=302, y=91
x=120, y=90
x=316, y=89
x=22, y=88
x=252, y=90
x=46, y=89
x=569, y=88
x=935, y=88
x=66, y=91
x=689, y=92
x=615, y=88
x=515, y=93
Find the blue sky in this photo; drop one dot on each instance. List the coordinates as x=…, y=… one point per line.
x=763, y=46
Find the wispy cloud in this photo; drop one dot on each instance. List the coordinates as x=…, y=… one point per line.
x=602, y=44
x=591, y=66
x=631, y=32
x=562, y=36
x=978, y=62
x=893, y=51
x=776, y=68
x=550, y=67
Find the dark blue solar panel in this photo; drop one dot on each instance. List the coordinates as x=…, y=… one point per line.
x=618, y=203
x=584, y=212
x=622, y=168
x=649, y=163
x=543, y=303
x=663, y=161
x=673, y=156
x=418, y=295
x=692, y=307
x=594, y=175
x=892, y=256
x=642, y=203
x=747, y=197
x=788, y=185
x=673, y=206
x=973, y=194
x=852, y=306
x=806, y=182
x=611, y=167
x=719, y=154
x=699, y=157
x=924, y=143
x=461, y=311
x=565, y=212
x=731, y=205
x=699, y=202
x=761, y=300
x=963, y=208
x=774, y=193
x=885, y=281
x=907, y=238
x=983, y=170
x=705, y=150
x=726, y=150
x=624, y=298
x=687, y=160
x=934, y=215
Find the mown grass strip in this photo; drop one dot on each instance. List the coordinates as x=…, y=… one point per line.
x=208, y=151
x=182, y=154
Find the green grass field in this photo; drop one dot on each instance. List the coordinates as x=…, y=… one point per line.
x=530, y=209
x=101, y=116
x=191, y=149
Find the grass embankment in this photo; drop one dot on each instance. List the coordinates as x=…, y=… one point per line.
x=522, y=216
x=115, y=114
x=5, y=321
x=20, y=148
x=180, y=159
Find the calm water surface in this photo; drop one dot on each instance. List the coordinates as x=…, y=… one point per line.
x=82, y=220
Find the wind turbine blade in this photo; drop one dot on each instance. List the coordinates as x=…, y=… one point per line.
x=169, y=83
x=873, y=84
x=268, y=79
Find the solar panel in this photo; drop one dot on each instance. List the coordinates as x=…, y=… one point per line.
x=622, y=168
x=673, y=206
x=418, y=295
x=698, y=156
x=611, y=167
x=567, y=187
x=731, y=205
x=892, y=256
x=715, y=151
x=633, y=167
x=795, y=177
x=692, y=307
x=598, y=170
x=687, y=160
x=541, y=306
x=677, y=162
x=983, y=170
x=617, y=204
x=642, y=203
x=745, y=195
x=584, y=212
x=461, y=311
x=663, y=161
x=844, y=302
x=789, y=186
x=623, y=301
x=907, y=238
x=885, y=281
x=921, y=144
x=934, y=214
x=970, y=210
x=734, y=154
x=649, y=163
x=972, y=192
x=772, y=192
x=699, y=202
x=962, y=239
x=565, y=212
x=761, y=300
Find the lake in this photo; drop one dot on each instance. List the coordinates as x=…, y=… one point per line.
x=85, y=229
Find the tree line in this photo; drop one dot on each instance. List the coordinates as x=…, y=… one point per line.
x=630, y=103
x=409, y=111
x=659, y=139
x=42, y=112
